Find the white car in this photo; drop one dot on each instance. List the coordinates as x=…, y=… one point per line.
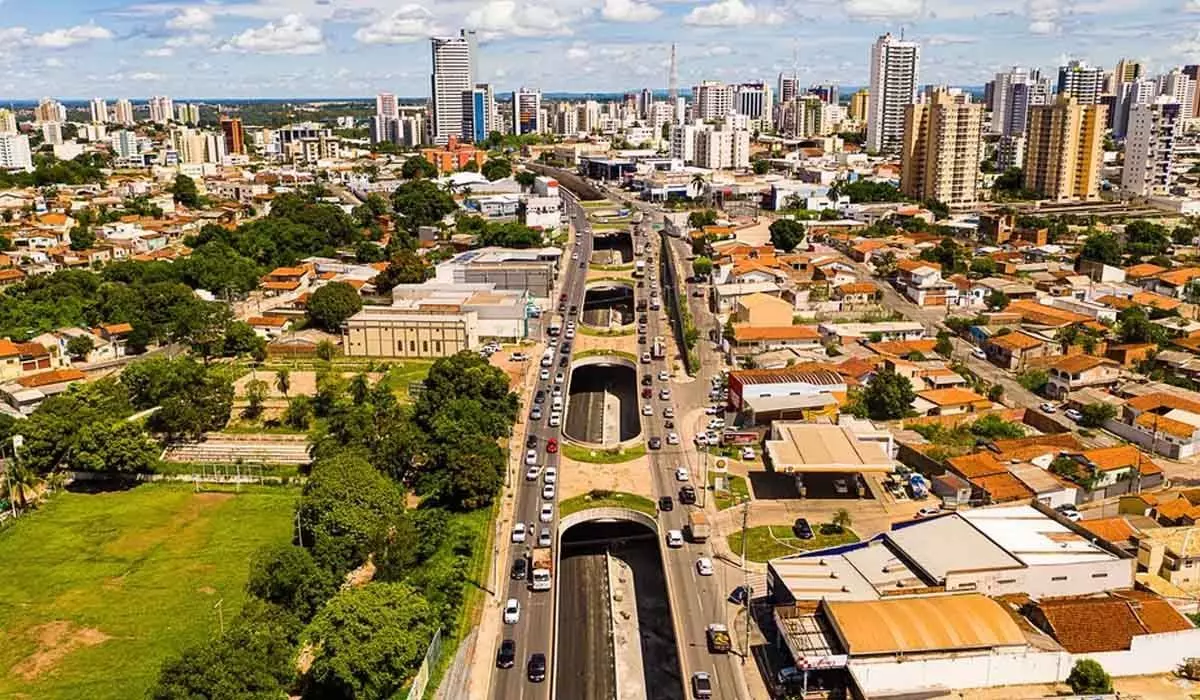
x=547, y=513
x=928, y=511
x=664, y=394
x=701, y=440
x=559, y=378
x=519, y=357
x=712, y=410
x=704, y=566
x=555, y=419
x=681, y=474
x=716, y=424
x=672, y=438
x=548, y=492
x=1049, y=407
x=518, y=533
x=674, y=538
x=575, y=256
x=840, y=487
x=531, y=457
x=978, y=354
x=512, y=611
x=668, y=412
x=663, y=376
x=748, y=453
x=647, y=410
x=531, y=474
x=544, y=374
x=550, y=476
x=570, y=334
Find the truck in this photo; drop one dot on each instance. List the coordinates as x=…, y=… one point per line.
x=543, y=564
x=718, y=638
x=697, y=526
x=659, y=350
x=641, y=304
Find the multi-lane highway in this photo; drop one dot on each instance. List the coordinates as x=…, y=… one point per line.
x=533, y=633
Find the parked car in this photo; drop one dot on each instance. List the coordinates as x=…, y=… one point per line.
x=531, y=474
x=748, y=453
x=531, y=441
x=672, y=438
x=801, y=529
x=540, y=396
x=531, y=457
x=544, y=537
x=552, y=445
x=927, y=511
x=647, y=410
x=978, y=354
x=536, y=413
x=647, y=392
x=664, y=376
x=1048, y=407
x=701, y=686
x=551, y=475
x=547, y=513
x=1073, y=414
x=668, y=412
x=544, y=374
x=548, y=492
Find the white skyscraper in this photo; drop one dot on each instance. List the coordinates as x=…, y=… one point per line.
x=1154, y=130
x=52, y=133
x=8, y=122
x=453, y=75
x=162, y=109
x=124, y=143
x=385, y=125
x=1138, y=92
x=1178, y=86
x=894, y=67
x=188, y=114
x=14, y=152
x=712, y=99
x=1083, y=81
x=99, y=110
x=123, y=112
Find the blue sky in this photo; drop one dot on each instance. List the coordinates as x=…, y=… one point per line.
x=280, y=48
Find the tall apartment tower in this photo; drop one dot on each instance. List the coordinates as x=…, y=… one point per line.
x=894, y=68
x=386, y=122
x=49, y=110
x=940, y=154
x=479, y=106
x=188, y=113
x=858, y=105
x=1193, y=71
x=1064, y=149
x=123, y=112
x=789, y=87
x=1137, y=92
x=1127, y=71
x=8, y=122
x=14, y=152
x=453, y=75
x=162, y=109
x=1083, y=81
x=234, y=136
x=527, y=111
x=99, y=110
x=712, y=99
x=1154, y=130
x=1177, y=86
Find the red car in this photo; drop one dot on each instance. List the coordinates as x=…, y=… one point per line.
x=647, y=392
x=552, y=445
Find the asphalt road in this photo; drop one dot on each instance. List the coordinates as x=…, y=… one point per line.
x=534, y=633
x=586, y=652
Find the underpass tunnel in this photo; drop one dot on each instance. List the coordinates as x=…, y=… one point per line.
x=607, y=305
x=602, y=406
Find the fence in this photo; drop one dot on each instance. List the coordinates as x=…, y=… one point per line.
x=421, y=680
x=676, y=305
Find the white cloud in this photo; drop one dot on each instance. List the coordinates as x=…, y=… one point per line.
x=190, y=19
x=54, y=63
x=718, y=50
x=629, y=11
x=187, y=41
x=1045, y=16
x=578, y=52
x=884, y=9
x=407, y=24
x=291, y=35
x=500, y=18
x=162, y=52
x=731, y=13
x=146, y=76
x=1191, y=6
x=72, y=36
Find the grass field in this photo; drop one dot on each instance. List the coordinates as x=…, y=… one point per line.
x=580, y=453
x=770, y=541
x=738, y=490
x=594, y=499
x=100, y=589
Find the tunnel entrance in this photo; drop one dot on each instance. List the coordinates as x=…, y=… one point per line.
x=612, y=248
x=585, y=657
x=602, y=402
x=608, y=305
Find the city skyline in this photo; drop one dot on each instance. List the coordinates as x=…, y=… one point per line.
x=289, y=48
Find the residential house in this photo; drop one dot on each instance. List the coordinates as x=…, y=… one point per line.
x=117, y=334
x=1171, y=283
x=1113, y=471
x=1131, y=630
x=1076, y=372
x=751, y=340
x=991, y=481
x=1015, y=290
x=762, y=310
x=922, y=283
x=1013, y=351
x=949, y=402
x=856, y=294
x=903, y=348
x=1165, y=423
x=863, y=252
x=1044, y=317
x=287, y=279
x=11, y=276
x=1171, y=553
x=269, y=327
x=1130, y=354
x=1139, y=272
x=844, y=333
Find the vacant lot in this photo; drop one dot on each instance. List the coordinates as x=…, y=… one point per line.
x=99, y=589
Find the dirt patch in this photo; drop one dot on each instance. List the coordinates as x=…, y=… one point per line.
x=206, y=590
x=55, y=641
x=138, y=542
x=114, y=583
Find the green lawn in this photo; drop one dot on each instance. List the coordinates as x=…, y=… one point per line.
x=100, y=589
x=602, y=351
x=608, y=456
x=604, y=333
x=771, y=541
x=603, y=499
x=738, y=491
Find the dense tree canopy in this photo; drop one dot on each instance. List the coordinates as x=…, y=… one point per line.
x=702, y=218
x=786, y=234
x=889, y=395
x=868, y=191
x=287, y=576
x=332, y=304
x=405, y=267
x=1143, y=238
x=421, y=203
x=1103, y=248
x=185, y=192
x=346, y=505
x=48, y=170
x=496, y=169
x=418, y=167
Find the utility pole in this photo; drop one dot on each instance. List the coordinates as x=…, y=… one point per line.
x=746, y=579
x=220, y=608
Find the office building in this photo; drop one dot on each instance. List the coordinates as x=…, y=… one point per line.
x=453, y=74
x=753, y=100
x=940, y=156
x=8, y=122
x=14, y=152
x=1064, y=148
x=479, y=107
x=188, y=114
x=99, y=110
x=789, y=87
x=49, y=110
x=527, y=111
x=828, y=93
x=803, y=117
x=123, y=112
x=858, y=105
x=1154, y=130
x=1127, y=71
x=1013, y=92
x=1083, y=81
x=234, y=135
x=722, y=148
x=711, y=100
x=645, y=100
x=894, y=70
x=162, y=109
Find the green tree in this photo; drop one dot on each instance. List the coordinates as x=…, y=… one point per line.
x=421, y=203
x=1143, y=238
x=80, y=346
x=1095, y=414
x=496, y=169
x=983, y=266
x=761, y=166
x=884, y=263
x=526, y=179
x=330, y=306
x=1034, y=380
x=217, y=267
x=345, y=505
x=786, y=234
x=283, y=381
x=1134, y=326
x=702, y=266
x=256, y=394
x=112, y=447
x=1088, y=677
x=184, y=191
x=702, y=218
x=369, y=642
x=944, y=346
x=997, y=300
x=241, y=340
x=82, y=238
x=1103, y=248
x=286, y=575
x=842, y=519
x=299, y=413
x=417, y=167
x=889, y=395
x=326, y=350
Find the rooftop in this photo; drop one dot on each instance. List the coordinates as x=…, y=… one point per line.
x=1126, y=614
x=912, y=625
x=952, y=397
x=807, y=373
x=1181, y=541
x=747, y=333
x=831, y=448
x=1033, y=537
x=939, y=546
x=1016, y=341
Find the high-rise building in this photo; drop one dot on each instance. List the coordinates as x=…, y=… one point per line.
x=1193, y=71
x=99, y=110
x=233, y=135
x=589, y=116
x=566, y=120
x=124, y=143
x=123, y=112
x=712, y=99
x=789, y=87
x=1177, y=86
x=479, y=106
x=753, y=100
x=52, y=133
x=940, y=155
x=8, y=122
x=187, y=113
x=828, y=93
x=14, y=152
x=1064, y=149
x=386, y=106
x=162, y=109
x=722, y=148
x=1154, y=130
x=894, y=70
x=858, y=105
x=645, y=101
x=1010, y=152
x=453, y=74
x=1083, y=81
x=49, y=110
x=1138, y=92
x=527, y=111
x=1015, y=92
x=1127, y=71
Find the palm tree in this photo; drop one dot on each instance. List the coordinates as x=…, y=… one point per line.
x=22, y=483
x=283, y=381
x=841, y=519
x=699, y=181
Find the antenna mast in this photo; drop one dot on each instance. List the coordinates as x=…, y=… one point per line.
x=673, y=87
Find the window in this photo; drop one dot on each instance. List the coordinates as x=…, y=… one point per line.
x=437, y=346
x=1058, y=578
x=425, y=346
x=399, y=346
x=412, y=346
x=1097, y=576
x=1006, y=581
